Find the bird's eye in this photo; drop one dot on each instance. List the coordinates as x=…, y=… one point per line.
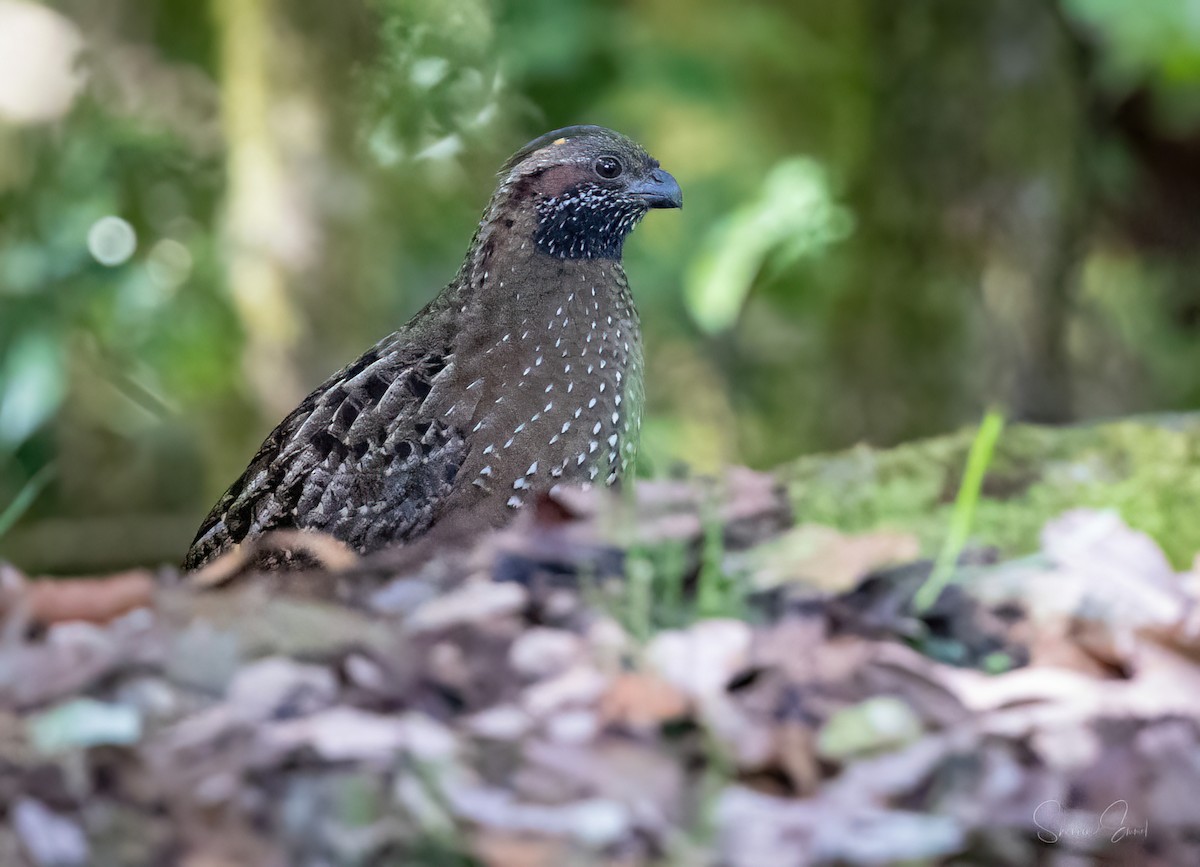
x=608, y=167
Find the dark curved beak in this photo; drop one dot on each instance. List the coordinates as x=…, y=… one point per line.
x=659, y=190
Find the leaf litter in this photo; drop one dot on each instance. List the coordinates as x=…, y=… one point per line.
x=511, y=701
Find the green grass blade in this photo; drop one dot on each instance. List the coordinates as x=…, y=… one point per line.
x=25, y=498
x=978, y=460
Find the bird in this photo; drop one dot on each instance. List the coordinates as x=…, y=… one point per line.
x=524, y=373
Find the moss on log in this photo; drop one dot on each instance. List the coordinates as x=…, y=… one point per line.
x=1146, y=469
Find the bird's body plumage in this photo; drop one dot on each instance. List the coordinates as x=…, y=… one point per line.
x=524, y=373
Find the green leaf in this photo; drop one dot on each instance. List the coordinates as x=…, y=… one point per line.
x=83, y=723
x=794, y=216
x=32, y=385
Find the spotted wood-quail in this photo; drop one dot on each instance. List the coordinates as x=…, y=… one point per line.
x=525, y=372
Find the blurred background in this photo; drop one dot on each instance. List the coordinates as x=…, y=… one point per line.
x=897, y=214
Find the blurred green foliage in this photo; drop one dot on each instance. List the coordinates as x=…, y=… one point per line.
x=896, y=214
x=1153, y=44
x=793, y=216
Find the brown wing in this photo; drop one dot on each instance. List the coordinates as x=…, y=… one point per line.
x=363, y=458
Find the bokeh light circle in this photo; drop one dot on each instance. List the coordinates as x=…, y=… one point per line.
x=111, y=241
x=169, y=263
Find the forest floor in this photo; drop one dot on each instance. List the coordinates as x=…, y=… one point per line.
x=806, y=667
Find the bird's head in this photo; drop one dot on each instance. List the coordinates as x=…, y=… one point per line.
x=583, y=189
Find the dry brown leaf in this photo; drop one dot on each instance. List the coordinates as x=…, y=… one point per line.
x=635, y=772
x=1069, y=644
x=826, y=559
x=702, y=659
x=749, y=505
x=1166, y=679
x=496, y=849
x=232, y=847
x=73, y=657
x=329, y=554
x=222, y=570
x=1108, y=572
x=642, y=701
x=797, y=747
x=96, y=600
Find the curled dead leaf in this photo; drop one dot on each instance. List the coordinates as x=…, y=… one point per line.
x=95, y=600
x=273, y=551
x=642, y=701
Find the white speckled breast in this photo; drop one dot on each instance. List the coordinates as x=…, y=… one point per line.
x=557, y=397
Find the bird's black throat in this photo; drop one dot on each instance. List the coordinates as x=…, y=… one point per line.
x=586, y=221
